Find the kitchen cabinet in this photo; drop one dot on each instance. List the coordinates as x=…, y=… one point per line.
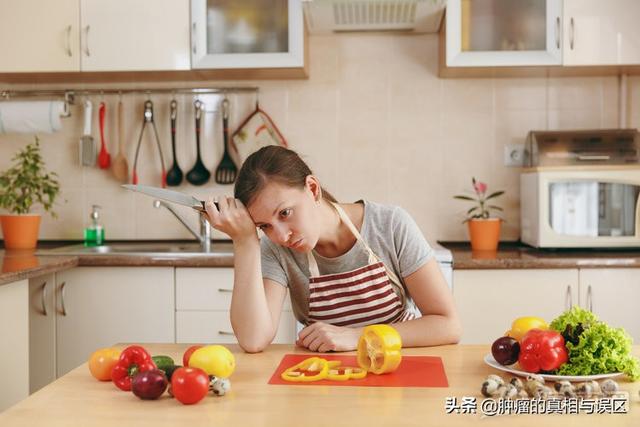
x=99, y=306
x=42, y=332
x=203, y=301
x=613, y=295
x=39, y=36
x=492, y=33
x=601, y=33
x=128, y=35
x=489, y=300
x=14, y=330
x=248, y=34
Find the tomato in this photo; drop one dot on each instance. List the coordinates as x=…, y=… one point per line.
x=188, y=353
x=102, y=361
x=189, y=385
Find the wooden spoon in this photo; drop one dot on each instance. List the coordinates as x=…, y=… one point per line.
x=119, y=166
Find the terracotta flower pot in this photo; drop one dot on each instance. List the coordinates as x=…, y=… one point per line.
x=484, y=234
x=20, y=231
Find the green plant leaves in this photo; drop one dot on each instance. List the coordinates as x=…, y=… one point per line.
x=27, y=182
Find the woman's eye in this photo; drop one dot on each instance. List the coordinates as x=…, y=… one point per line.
x=285, y=212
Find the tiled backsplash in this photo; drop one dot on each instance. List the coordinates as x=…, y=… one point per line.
x=374, y=121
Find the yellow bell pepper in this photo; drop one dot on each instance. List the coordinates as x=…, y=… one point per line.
x=344, y=373
x=522, y=325
x=311, y=369
x=379, y=349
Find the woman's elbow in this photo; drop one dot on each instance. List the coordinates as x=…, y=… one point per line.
x=455, y=330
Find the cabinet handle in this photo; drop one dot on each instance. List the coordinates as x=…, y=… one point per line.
x=589, y=299
x=86, y=41
x=571, y=34
x=193, y=38
x=226, y=333
x=44, y=299
x=64, y=309
x=558, y=32
x=224, y=290
x=568, y=300
x=68, y=47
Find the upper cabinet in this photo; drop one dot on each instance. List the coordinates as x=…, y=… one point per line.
x=38, y=35
x=228, y=34
x=507, y=33
x=601, y=33
x=134, y=35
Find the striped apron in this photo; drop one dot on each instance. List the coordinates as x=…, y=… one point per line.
x=356, y=298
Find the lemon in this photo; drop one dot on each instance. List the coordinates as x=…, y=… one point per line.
x=215, y=360
x=522, y=325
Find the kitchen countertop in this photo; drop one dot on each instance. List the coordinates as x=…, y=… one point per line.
x=77, y=399
x=23, y=264
x=518, y=256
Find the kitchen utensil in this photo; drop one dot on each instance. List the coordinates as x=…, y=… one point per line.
x=148, y=119
x=104, y=158
x=489, y=360
x=255, y=132
x=199, y=174
x=174, y=176
x=227, y=170
x=119, y=166
x=87, y=145
x=414, y=371
x=169, y=196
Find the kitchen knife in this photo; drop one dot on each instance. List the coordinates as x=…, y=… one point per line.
x=169, y=196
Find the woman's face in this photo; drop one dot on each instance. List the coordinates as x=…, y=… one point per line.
x=287, y=215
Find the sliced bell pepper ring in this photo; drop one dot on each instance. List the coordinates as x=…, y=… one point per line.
x=133, y=359
x=311, y=369
x=344, y=373
x=379, y=349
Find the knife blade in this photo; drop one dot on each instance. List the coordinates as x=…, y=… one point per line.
x=169, y=196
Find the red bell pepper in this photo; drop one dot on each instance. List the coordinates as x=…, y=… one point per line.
x=133, y=359
x=542, y=351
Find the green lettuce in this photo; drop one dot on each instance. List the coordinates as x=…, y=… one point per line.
x=597, y=349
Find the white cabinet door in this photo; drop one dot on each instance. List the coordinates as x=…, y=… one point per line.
x=134, y=35
x=601, y=33
x=247, y=34
x=493, y=33
x=42, y=332
x=37, y=35
x=101, y=306
x=613, y=295
x=14, y=330
x=489, y=300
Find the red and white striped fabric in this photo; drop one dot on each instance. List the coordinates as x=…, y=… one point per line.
x=360, y=297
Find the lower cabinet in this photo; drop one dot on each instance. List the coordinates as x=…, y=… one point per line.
x=489, y=300
x=100, y=306
x=42, y=332
x=14, y=330
x=203, y=300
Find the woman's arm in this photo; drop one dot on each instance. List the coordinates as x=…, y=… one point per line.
x=439, y=323
x=255, y=304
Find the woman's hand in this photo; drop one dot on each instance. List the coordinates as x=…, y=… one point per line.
x=231, y=217
x=322, y=337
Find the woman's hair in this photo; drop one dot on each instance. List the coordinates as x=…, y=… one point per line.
x=272, y=163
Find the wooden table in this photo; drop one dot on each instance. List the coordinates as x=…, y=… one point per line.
x=79, y=400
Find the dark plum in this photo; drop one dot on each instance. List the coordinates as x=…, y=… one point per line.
x=505, y=350
x=149, y=385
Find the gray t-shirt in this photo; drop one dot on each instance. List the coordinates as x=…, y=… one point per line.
x=389, y=231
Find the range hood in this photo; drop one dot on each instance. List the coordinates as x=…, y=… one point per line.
x=418, y=16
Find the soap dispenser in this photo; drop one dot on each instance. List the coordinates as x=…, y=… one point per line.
x=94, y=233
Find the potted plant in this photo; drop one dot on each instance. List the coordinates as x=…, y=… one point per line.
x=484, y=230
x=22, y=186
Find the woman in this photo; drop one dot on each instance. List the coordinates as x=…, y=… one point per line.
x=340, y=261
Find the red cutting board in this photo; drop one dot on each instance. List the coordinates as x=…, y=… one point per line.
x=414, y=371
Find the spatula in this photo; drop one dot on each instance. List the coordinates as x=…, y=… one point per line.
x=87, y=145
x=119, y=166
x=227, y=170
x=104, y=158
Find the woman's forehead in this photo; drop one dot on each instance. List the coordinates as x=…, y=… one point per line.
x=271, y=197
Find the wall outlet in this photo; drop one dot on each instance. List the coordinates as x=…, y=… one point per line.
x=514, y=155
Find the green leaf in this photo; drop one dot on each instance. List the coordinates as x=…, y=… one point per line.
x=464, y=198
x=496, y=194
x=498, y=208
x=472, y=209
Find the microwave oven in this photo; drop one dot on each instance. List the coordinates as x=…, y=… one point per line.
x=580, y=189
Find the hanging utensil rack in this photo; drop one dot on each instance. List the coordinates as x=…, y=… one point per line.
x=69, y=95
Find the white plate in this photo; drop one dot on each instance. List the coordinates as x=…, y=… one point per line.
x=489, y=360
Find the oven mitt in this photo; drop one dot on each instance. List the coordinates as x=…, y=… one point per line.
x=257, y=131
